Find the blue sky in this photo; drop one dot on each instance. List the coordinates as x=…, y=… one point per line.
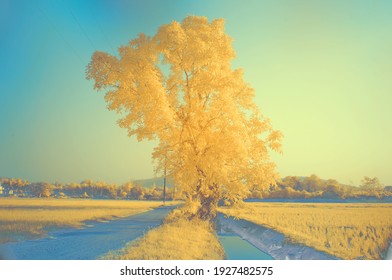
x=321, y=70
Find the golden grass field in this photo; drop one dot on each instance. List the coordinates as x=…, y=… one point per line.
x=178, y=240
x=32, y=218
x=348, y=231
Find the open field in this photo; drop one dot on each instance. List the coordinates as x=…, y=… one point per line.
x=348, y=231
x=33, y=218
x=178, y=240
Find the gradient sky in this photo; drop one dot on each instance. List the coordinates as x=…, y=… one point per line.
x=321, y=70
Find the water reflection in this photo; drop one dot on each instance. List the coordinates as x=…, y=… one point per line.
x=238, y=249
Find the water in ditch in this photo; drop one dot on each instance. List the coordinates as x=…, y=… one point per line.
x=237, y=248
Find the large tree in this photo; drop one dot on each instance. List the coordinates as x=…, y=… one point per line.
x=178, y=87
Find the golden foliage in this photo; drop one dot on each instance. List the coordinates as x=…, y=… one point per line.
x=179, y=88
x=348, y=231
x=20, y=218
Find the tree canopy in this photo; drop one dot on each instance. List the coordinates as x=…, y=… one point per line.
x=178, y=87
x=370, y=183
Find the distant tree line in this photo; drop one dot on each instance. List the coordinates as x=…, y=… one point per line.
x=290, y=187
x=296, y=187
x=84, y=189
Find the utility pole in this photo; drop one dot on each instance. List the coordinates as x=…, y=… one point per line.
x=164, y=185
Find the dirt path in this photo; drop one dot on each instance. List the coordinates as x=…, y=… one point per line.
x=92, y=241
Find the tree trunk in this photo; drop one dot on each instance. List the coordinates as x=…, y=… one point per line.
x=208, y=204
x=208, y=209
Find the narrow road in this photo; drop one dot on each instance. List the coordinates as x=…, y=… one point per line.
x=88, y=243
